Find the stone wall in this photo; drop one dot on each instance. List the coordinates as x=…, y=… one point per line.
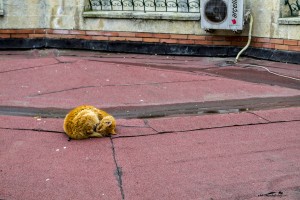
x=64, y=19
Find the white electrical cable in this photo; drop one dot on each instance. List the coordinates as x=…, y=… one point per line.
x=248, y=43
x=249, y=38
x=271, y=72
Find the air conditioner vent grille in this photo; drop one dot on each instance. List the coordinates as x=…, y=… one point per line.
x=216, y=11
x=222, y=14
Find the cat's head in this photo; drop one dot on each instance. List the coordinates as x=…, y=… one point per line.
x=107, y=126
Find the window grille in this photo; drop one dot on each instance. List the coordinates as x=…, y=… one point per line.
x=294, y=7
x=290, y=12
x=179, y=6
x=1, y=8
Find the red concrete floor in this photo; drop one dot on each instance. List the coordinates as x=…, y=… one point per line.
x=237, y=154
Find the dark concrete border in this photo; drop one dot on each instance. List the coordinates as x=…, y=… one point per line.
x=150, y=48
x=154, y=111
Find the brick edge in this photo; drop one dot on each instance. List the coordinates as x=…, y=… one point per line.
x=266, y=46
x=238, y=41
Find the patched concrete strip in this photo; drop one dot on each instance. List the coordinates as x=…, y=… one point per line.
x=164, y=110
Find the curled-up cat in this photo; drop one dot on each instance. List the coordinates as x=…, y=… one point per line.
x=87, y=121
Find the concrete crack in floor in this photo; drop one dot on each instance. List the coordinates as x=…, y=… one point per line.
x=114, y=85
x=259, y=116
x=26, y=68
x=130, y=126
x=220, y=70
x=157, y=66
x=64, y=62
x=156, y=132
x=157, y=83
x=64, y=90
x=201, y=129
x=147, y=125
x=118, y=172
x=227, y=126
x=29, y=129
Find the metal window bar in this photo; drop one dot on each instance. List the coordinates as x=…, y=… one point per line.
x=181, y=6
x=294, y=7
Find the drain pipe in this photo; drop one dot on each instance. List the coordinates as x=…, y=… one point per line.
x=249, y=37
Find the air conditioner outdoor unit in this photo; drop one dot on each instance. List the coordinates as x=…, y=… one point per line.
x=222, y=14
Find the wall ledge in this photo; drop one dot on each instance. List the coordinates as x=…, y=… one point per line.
x=142, y=15
x=289, y=21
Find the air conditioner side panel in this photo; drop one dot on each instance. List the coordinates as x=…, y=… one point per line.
x=235, y=15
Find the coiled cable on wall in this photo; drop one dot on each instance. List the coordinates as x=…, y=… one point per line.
x=249, y=37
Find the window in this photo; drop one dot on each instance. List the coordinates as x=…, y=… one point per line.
x=1, y=8
x=144, y=9
x=290, y=12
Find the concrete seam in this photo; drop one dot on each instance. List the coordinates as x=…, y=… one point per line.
x=153, y=66
x=65, y=90
x=28, y=129
x=210, y=128
x=153, y=111
x=130, y=126
x=118, y=172
x=146, y=122
x=41, y=66
x=259, y=116
x=113, y=85
x=62, y=62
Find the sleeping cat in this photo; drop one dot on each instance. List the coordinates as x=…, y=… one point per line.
x=87, y=121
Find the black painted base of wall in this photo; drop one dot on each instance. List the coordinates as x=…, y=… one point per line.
x=150, y=48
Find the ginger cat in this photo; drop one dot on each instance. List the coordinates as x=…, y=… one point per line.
x=87, y=121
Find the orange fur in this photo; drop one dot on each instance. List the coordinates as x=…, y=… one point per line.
x=87, y=121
